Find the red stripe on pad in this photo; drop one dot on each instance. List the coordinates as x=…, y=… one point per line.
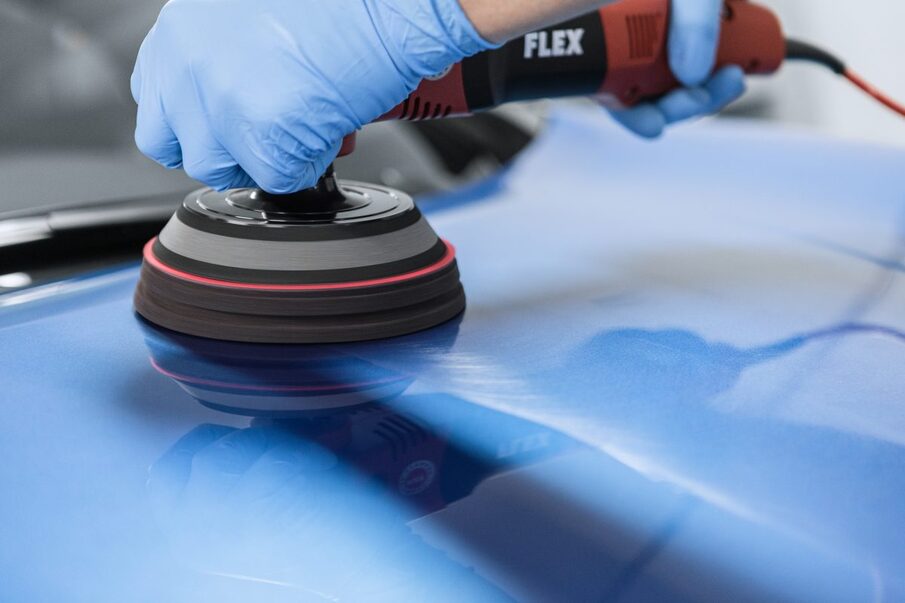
x=448, y=258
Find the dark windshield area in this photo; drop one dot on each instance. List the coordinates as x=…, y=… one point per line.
x=66, y=113
x=65, y=71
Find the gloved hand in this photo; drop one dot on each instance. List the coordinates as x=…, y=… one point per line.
x=693, y=39
x=245, y=92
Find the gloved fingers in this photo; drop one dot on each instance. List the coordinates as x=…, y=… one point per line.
x=683, y=104
x=693, y=39
x=203, y=157
x=217, y=170
x=277, y=164
x=135, y=82
x=290, y=150
x=154, y=136
x=650, y=119
x=323, y=161
x=726, y=86
x=645, y=120
x=239, y=179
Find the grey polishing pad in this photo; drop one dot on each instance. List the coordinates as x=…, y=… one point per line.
x=345, y=261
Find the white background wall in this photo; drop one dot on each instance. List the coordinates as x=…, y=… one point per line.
x=869, y=35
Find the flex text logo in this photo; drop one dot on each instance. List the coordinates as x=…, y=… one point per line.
x=556, y=43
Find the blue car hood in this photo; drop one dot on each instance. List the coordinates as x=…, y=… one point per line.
x=680, y=377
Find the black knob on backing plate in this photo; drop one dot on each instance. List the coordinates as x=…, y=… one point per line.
x=323, y=199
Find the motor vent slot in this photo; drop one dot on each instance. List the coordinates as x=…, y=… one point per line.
x=642, y=33
x=416, y=109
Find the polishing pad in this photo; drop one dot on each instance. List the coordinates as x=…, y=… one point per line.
x=344, y=261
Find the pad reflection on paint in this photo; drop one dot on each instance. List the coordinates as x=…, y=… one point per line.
x=287, y=380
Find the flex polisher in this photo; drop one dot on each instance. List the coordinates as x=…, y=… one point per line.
x=348, y=261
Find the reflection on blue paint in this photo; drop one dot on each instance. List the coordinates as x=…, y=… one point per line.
x=667, y=399
x=322, y=480
x=681, y=366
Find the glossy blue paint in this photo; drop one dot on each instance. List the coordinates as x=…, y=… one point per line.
x=679, y=378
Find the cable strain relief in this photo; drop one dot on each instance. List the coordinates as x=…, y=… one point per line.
x=796, y=50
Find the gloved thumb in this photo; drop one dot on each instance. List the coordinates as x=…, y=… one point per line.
x=693, y=39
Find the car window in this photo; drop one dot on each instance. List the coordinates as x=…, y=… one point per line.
x=66, y=112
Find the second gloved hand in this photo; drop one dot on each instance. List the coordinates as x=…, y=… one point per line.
x=693, y=40
x=261, y=92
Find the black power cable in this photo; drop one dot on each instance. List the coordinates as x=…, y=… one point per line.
x=802, y=51
x=796, y=50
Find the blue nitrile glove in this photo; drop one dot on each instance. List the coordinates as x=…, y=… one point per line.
x=245, y=92
x=693, y=39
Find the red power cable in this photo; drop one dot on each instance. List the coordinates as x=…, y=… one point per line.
x=867, y=87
